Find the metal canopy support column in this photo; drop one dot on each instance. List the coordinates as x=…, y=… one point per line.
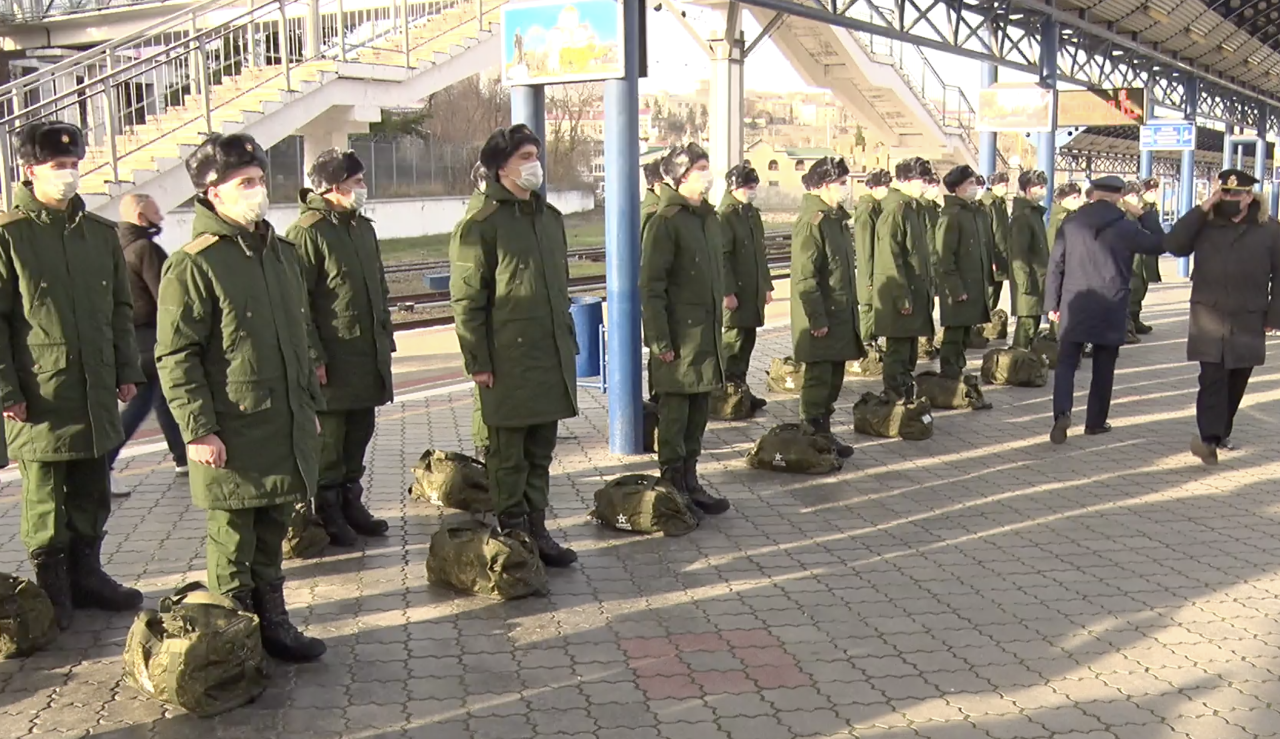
x=622, y=241
x=1147, y=158
x=1045, y=151
x=1264, y=125
x=987, y=139
x=727, y=98
x=1227, y=154
x=1187, y=186
x=529, y=106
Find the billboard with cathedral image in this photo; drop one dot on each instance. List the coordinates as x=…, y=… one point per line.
x=549, y=43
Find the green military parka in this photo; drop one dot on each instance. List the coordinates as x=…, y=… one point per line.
x=1057, y=214
x=746, y=266
x=865, y=213
x=963, y=269
x=824, y=290
x=66, y=330
x=234, y=360
x=351, y=331
x=1028, y=257
x=648, y=208
x=998, y=211
x=509, y=288
x=682, y=294
x=901, y=275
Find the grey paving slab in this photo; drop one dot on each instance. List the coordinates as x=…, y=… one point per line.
x=980, y=584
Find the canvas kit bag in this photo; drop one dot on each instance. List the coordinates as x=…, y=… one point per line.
x=644, y=504
x=474, y=557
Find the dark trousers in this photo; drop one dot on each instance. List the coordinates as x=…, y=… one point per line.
x=1221, y=391
x=344, y=438
x=150, y=398
x=951, y=357
x=1104, y=375
x=738, y=345
x=520, y=467
x=900, y=356
x=821, y=389
x=682, y=420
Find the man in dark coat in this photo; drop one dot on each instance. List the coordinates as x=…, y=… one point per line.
x=993, y=200
x=1088, y=295
x=963, y=272
x=1235, y=300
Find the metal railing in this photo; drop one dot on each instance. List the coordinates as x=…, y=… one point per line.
x=178, y=79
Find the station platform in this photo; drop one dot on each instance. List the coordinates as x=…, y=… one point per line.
x=982, y=584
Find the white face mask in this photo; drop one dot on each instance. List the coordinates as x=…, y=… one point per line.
x=249, y=207
x=358, y=197
x=837, y=194
x=751, y=194
x=969, y=193
x=530, y=176
x=60, y=184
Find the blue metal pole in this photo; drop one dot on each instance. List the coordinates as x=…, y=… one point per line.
x=987, y=139
x=1146, y=158
x=622, y=241
x=529, y=106
x=1187, y=187
x=1045, y=151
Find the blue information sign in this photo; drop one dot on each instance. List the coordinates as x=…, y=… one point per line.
x=1168, y=136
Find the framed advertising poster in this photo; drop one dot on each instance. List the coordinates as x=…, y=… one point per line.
x=551, y=42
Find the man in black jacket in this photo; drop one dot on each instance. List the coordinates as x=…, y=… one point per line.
x=1087, y=293
x=140, y=221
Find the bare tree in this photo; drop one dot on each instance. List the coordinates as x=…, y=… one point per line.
x=572, y=131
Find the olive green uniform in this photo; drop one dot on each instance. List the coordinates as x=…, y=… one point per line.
x=234, y=361
x=681, y=294
x=479, y=431
x=964, y=277
x=1057, y=214
x=865, y=214
x=1146, y=270
x=350, y=330
x=901, y=281
x=66, y=346
x=1028, y=268
x=746, y=276
x=824, y=294
x=998, y=211
x=930, y=211
x=648, y=209
x=509, y=288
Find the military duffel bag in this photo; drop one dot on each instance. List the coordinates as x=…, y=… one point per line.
x=306, y=537
x=452, y=480
x=944, y=392
x=998, y=329
x=1045, y=345
x=879, y=415
x=977, y=339
x=1016, y=367
x=473, y=557
x=786, y=375
x=27, y=623
x=790, y=447
x=732, y=401
x=644, y=504
x=650, y=429
x=871, y=365
x=199, y=652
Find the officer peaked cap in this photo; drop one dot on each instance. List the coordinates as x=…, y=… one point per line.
x=824, y=171
x=958, y=176
x=1032, y=178
x=503, y=144
x=1064, y=191
x=333, y=167
x=220, y=155
x=680, y=159
x=43, y=141
x=1236, y=179
x=653, y=172
x=914, y=168
x=1110, y=183
x=879, y=178
x=742, y=175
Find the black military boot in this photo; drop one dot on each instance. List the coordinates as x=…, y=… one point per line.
x=280, y=638
x=53, y=578
x=550, y=551
x=329, y=509
x=675, y=475
x=91, y=587
x=705, y=501
x=843, y=450
x=357, y=516
x=243, y=599
x=513, y=522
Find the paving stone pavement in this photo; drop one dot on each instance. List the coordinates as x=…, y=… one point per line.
x=982, y=584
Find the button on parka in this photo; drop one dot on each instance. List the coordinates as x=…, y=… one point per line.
x=1028, y=257
x=66, y=330
x=824, y=291
x=350, y=325
x=746, y=266
x=681, y=294
x=509, y=288
x=234, y=360
x=962, y=266
x=901, y=270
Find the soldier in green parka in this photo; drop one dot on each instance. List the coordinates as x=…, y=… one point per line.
x=235, y=365
x=963, y=272
x=681, y=300
x=748, y=285
x=509, y=288
x=652, y=186
x=865, y=214
x=1146, y=267
x=902, y=277
x=67, y=354
x=824, y=294
x=1067, y=199
x=1028, y=256
x=479, y=431
x=930, y=204
x=351, y=336
x=997, y=207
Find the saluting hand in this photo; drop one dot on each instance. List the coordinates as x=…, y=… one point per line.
x=484, y=379
x=208, y=450
x=16, y=412
x=126, y=392
x=1212, y=200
